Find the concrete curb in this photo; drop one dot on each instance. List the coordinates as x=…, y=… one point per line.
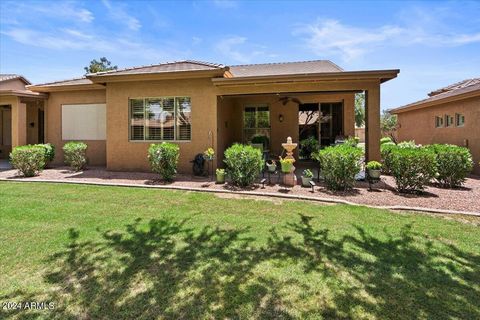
x=251, y=193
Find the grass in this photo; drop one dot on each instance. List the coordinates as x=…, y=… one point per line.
x=129, y=253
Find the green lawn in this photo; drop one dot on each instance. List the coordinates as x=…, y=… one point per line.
x=129, y=253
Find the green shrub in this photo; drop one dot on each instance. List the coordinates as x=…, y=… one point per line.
x=243, y=164
x=28, y=160
x=261, y=139
x=412, y=168
x=340, y=164
x=453, y=164
x=75, y=154
x=352, y=142
x=407, y=144
x=49, y=151
x=307, y=147
x=373, y=165
x=163, y=159
x=386, y=140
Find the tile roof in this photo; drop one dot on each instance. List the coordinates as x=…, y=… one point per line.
x=68, y=82
x=175, y=66
x=285, y=68
x=455, y=86
x=459, y=88
x=12, y=76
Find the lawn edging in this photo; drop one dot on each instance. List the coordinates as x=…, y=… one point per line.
x=250, y=193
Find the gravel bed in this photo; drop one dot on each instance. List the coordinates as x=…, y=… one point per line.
x=466, y=198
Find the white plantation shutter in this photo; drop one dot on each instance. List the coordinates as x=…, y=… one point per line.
x=159, y=119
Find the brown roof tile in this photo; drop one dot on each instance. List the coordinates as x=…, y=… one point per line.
x=456, y=89
x=175, y=66
x=285, y=68
x=11, y=76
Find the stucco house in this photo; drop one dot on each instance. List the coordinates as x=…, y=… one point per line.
x=194, y=104
x=449, y=115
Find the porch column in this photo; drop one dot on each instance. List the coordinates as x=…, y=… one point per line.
x=19, y=124
x=372, y=123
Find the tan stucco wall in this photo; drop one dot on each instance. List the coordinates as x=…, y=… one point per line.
x=125, y=155
x=230, y=117
x=419, y=125
x=96, y=151
x=14, y=84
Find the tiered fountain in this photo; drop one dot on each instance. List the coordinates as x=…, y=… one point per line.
x=290, y=179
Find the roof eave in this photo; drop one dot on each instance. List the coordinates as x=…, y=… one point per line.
x=426, y=104
x=57, y=88
x=22, y=93
x=102, y=78
x=381, y=75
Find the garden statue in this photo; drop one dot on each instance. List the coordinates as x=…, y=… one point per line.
x=289, y=178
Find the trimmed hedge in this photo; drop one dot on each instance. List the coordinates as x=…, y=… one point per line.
x=243, y=164
x=75, y=154
x=340, y=164
x=28, y=160
x=412, y=168
x=163, y=159
x=453, y=164
x=49, y=151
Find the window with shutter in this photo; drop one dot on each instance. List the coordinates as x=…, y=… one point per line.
x=160, y=119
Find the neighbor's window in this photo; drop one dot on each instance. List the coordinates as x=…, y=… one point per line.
x=438, y=122
x=448, y=120
x=159, y=119
x=459, y=120
x=256, y=121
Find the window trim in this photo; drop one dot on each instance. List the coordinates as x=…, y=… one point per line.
x=175, y=122
x=256, y=106
x=443, y=122
x=446, y=121
x=456, y=120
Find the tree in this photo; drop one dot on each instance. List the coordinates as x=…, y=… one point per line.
x=389, y=125
x=98, y=66
x=360, y=109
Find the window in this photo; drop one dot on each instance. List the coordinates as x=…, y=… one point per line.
x=84, y=122
x=459, y=120
x=256, y=121
x=160, y=119
x=438, y=122
x=448, y=120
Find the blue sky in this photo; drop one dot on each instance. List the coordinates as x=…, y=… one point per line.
x=432, y=43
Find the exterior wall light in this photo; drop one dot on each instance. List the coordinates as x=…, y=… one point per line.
x=280, y=117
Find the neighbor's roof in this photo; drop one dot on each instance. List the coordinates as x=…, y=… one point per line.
x=284, y=68
x=460, y=90
x=167, y=67
x=11, y=76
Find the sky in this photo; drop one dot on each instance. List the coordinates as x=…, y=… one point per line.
x=433, y=43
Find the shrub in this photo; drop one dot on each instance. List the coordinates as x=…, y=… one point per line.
x=340, y=164
x=261, y=139
x=307, y=147
x=352, y=142
x=453, y=164
x=29, y=160
x=373, y=165
x=386, y=140
x=243, y=164
x=163, y=158
x=386, y=150
x=75, y=155
x=407, y=144
x=412, y=168
x=49, y=151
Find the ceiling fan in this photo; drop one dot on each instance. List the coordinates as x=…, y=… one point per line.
x=285, y=100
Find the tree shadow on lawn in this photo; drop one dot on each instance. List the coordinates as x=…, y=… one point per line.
x=171, y=271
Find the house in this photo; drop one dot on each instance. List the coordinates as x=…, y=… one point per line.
x=196, y=105
x=449, y=115
x=21, y=114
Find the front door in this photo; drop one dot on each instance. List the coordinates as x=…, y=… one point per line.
x=41, y=126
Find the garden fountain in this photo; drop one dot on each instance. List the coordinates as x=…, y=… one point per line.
x=290, y=179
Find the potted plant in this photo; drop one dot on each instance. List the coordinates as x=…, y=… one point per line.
x=374, y=169
x=286, y=164
x=271, y=166
x=307, y=176
x=220, y=175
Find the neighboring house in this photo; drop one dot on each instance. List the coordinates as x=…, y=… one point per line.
x=21, y=114
x=198, y=105
x=449, y=115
